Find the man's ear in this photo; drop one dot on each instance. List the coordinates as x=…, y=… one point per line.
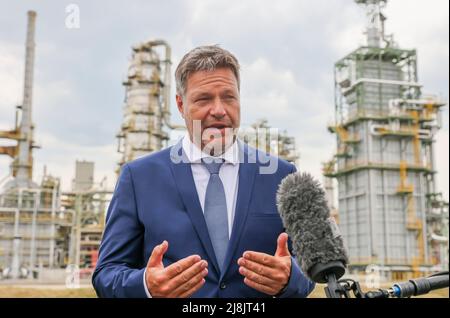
x=180, y=104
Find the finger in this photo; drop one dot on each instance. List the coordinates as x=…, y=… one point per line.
x=282, y=245
x=263, y=280
x=189, y=273
x=261, y=258
x=258, y=268
x=193, y=289
x=259, y=287
x=186, y=286
x=180, y=266
x=157, y=254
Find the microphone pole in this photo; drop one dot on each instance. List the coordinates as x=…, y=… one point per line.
x=334, y=289
x=413, y=287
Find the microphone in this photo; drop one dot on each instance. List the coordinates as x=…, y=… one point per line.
x=315, y=236
x=319, y=247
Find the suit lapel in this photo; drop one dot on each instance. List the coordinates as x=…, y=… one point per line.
x=247, y=172
x=184, y=181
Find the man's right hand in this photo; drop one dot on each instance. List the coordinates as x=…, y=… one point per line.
x=180, y=279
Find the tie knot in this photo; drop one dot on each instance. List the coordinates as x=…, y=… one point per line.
x=212, y=164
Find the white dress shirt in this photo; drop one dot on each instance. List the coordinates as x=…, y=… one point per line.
x=228, y=173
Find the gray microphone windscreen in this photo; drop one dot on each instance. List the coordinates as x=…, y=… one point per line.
x=306, y=218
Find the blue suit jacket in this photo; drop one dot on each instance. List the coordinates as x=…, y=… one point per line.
x=156, y=199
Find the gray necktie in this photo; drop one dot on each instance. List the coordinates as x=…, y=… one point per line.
x=216, y=215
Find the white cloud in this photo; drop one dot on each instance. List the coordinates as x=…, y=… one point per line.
x=59, y=156
x=287, y=49
x=11, y=69
x=282, y=98
x=279, y=94
x=47, y=94
x=52, y=94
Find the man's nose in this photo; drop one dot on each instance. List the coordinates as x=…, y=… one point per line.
x=217, y=109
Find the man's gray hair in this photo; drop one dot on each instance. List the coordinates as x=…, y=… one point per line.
x=204, y=58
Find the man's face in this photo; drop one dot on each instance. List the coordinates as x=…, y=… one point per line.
x=211, y=109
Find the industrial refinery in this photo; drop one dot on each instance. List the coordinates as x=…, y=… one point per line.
x=43, y=229
x=380, y=183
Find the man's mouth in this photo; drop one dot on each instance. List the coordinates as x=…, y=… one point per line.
x=218, y=126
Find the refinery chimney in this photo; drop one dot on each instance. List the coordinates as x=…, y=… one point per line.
x=23, y=165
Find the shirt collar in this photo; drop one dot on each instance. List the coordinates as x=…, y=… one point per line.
x=195, y=155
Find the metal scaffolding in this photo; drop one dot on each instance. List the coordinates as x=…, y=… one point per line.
x=34, y=232
x=146, y=113
x=88, y=202
x=260, y=135
x=384, y=165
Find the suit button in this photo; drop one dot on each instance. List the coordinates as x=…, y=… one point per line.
x=223, y=285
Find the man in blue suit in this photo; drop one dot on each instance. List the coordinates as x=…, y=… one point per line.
x=199, y=219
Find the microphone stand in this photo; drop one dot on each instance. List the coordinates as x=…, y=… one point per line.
x=329, y=273
x=335, y=288
x=344, y=287
x=413, y=287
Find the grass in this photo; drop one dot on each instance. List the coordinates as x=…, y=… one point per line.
x=60, y=291
x=45, y=292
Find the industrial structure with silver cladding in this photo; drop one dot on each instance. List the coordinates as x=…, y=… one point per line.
x=390, y=212
x=146, y=113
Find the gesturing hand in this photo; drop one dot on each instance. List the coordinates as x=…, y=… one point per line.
x=180, y=279
x=266, y=273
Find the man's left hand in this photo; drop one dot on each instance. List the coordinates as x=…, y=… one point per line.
x=266, y=273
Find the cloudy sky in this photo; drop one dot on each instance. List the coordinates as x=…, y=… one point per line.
x=287, y=49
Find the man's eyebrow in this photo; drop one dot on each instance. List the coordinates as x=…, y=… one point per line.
x=229, y=91
x=201, y=94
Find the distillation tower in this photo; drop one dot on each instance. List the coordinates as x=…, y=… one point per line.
x=146, y=112
x=390, y=212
